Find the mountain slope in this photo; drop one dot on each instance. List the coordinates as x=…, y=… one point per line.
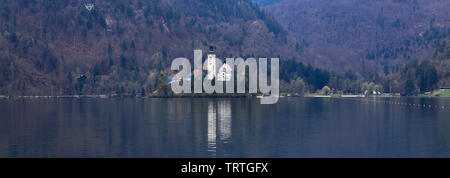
x=122, y=46
x=366, y=35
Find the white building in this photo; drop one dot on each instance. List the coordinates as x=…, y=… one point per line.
x=89, y=6
x=224, y=73
x=211, y=66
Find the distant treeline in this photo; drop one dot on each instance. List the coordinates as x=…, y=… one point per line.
x=413, y=78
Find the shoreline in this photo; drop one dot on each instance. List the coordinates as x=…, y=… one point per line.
x=104, y=96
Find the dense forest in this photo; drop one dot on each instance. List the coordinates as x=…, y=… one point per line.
x=415, y=77
x=365, y=35
x=125, y=47
x=53, y=47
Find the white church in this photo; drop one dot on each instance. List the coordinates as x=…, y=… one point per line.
x=211, y=62
x=225, y=70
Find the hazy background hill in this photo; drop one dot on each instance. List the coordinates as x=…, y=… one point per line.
x=365, y=35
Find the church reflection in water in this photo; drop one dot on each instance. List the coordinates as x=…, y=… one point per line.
x=212, y=128
x=219, y=123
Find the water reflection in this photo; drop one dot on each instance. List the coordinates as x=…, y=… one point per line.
x=222, y=110
x=212, y=128
x=178, y=109
x=207, y=127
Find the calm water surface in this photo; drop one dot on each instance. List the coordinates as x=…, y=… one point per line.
x=238, y=127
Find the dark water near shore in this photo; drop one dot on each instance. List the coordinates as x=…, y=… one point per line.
x=235, y=127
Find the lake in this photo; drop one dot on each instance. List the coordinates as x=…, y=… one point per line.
x=225, y=127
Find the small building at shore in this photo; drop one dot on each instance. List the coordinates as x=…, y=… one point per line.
x=224, y=73
x=444, y=91
x=446, y=88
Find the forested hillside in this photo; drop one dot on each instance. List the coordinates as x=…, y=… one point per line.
x=421, y=76
x=70, y=47
x=365, y=35
x=55, y=47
